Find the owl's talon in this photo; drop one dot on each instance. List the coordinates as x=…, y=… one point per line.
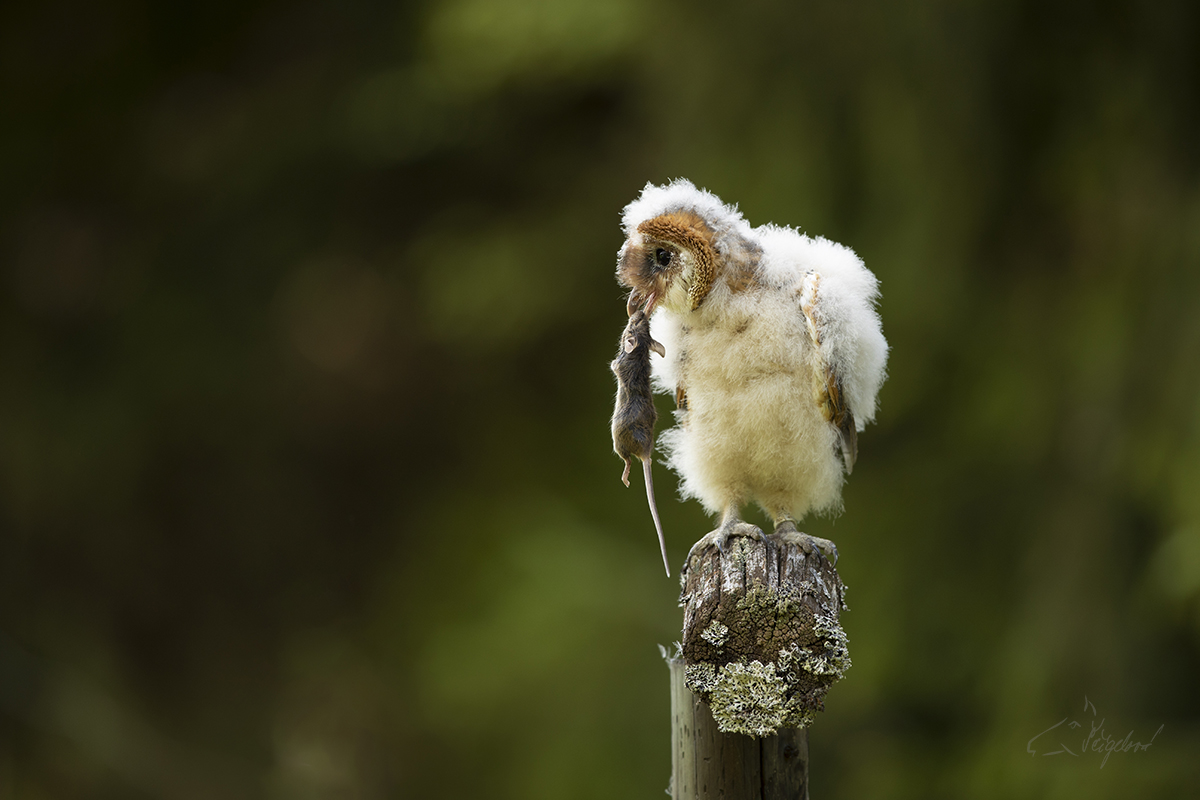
x=727, y=532
x=786, y=532
x=721, y=536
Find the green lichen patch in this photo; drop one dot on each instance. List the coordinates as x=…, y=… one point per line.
x=700, y=678
x=758, y=698
x=835, y=659
x=750, y=699
x=715, y=634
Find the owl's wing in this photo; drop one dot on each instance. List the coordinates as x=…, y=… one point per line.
x=828, y=388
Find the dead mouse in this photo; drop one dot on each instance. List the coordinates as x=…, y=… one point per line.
x=634, y=416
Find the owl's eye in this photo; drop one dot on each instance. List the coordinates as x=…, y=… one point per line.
x=662, y=257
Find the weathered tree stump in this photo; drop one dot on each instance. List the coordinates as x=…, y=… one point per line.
x=761, y=647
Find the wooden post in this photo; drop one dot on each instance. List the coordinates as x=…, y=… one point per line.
x=710, y=764
x=761, y=647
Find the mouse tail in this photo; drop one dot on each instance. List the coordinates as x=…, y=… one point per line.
x=662, y=542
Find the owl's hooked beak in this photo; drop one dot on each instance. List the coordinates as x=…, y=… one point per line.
x=636, y=299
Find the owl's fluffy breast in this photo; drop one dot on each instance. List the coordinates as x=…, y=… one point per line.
x=752, y=427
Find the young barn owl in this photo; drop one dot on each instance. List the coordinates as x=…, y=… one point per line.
x=774, y=355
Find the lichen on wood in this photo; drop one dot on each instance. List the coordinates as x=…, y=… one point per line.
x=761, y=639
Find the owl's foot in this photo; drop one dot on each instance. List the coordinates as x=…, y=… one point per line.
x=786, y=532
x=721, y=536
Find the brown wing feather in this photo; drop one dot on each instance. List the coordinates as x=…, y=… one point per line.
x=680, y=397
x=837, y=412
x=830, y=393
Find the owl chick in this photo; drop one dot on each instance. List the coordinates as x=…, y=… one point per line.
x=775, y=356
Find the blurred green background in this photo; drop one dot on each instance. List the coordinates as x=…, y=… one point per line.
x=306, y=484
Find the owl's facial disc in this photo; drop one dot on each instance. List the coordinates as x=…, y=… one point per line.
x=680, y=245
x=669, y=260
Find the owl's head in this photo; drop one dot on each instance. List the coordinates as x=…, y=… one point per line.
x=678, y=242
